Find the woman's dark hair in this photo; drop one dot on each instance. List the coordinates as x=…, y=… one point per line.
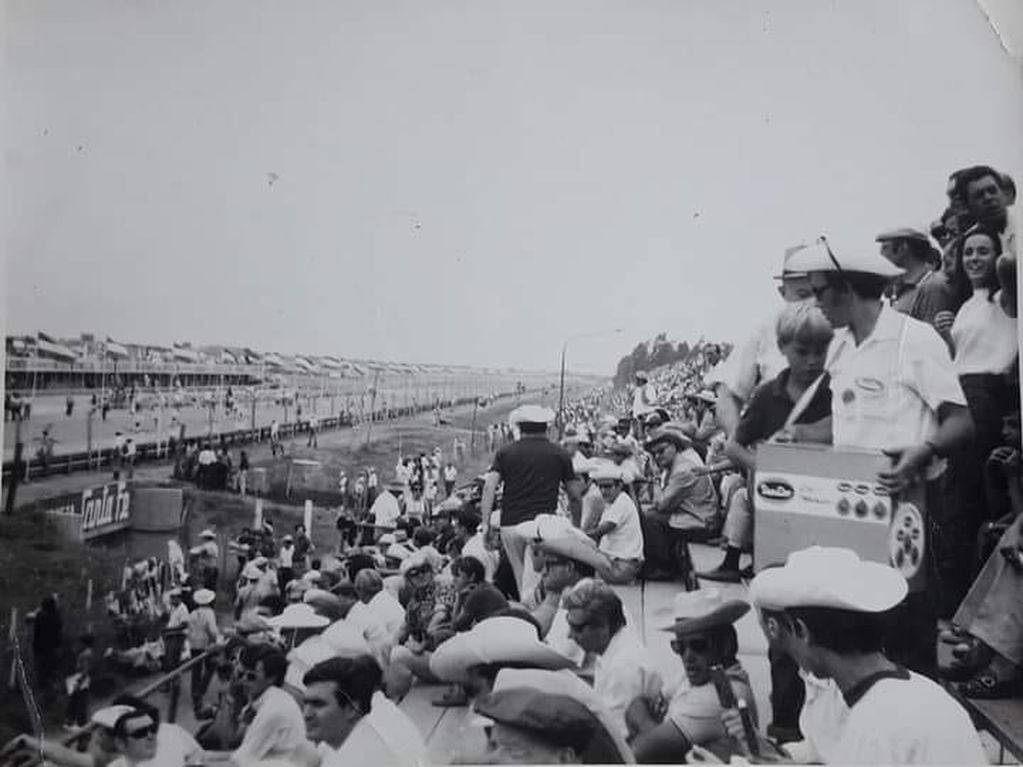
x=468, y=519
x=356, y=679
x=845, y=632
x=862, y=284
x=959, y=279
x=471, y=567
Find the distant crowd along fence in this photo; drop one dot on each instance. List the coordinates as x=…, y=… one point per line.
x=155, y=450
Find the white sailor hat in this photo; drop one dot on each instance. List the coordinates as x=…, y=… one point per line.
x=823, y=257
x=829, y=577
x=531, y=414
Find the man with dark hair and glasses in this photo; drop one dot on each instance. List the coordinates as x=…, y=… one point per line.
x=895, y=390
x=272, y=720
x=704, y=638
x=828, y=608
x=352, y=722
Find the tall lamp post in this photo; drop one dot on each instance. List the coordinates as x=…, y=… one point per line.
x=561, y=388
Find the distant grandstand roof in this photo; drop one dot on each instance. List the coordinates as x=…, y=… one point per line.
x=114, y=349
x=47, y=347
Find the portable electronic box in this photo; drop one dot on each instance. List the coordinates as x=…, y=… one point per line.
x=806, y=495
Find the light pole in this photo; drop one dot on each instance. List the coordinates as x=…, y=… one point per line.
x=561, y=388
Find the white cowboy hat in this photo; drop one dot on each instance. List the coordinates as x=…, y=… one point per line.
x=345, y=640
x=313, y=576
x=207, y=533
x=576, y=546
x=697, y=611
x=544, y=526
x=203, y=597
x=605, y=471
x=829, y=577
x=298, y=616
x=502, y=640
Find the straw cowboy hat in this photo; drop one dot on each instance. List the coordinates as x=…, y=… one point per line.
x=298, y=616
x=502, y=640
x=698, y=611
x=203, y=597
x=829, y=577
x=668, y=432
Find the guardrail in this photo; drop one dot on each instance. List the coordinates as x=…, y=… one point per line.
x=149, y=452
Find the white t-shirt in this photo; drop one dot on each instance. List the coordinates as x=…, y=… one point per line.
x=287, y=556
x=385, y=510
x=984, y=336
x=174, y=744
x=626, y=540
x=276, y=731
x=886, y=392
x=908, y=721
x=385, y=736
x=489, y=559
x=755, y=361
x=821, y=721
x=624, y=672
x=388, y=610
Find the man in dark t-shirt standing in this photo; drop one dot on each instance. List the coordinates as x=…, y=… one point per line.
x=532, y=469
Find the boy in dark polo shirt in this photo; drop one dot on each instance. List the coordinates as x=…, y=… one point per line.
x=803, y=336
x=532, y=469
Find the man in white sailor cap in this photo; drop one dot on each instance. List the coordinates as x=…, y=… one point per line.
x=830, y=607
x=893, y=389
x=533, y=469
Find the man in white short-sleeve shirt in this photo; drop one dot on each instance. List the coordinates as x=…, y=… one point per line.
x=618, y=534
x=351, y=720
x=624, y=670
x=894, y=389
x=831, y=606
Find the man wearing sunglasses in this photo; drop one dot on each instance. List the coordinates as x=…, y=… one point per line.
x=704, y=638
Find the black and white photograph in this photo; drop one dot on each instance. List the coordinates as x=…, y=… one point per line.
x=452, y=382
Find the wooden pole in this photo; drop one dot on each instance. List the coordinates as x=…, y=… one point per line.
x=12, y=634
x=372, y=405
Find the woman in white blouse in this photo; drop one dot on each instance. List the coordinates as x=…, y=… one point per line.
x=983, y=341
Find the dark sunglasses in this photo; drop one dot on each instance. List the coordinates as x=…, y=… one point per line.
x=607, y=485
x=248, y=676
x=145, y=732
x=699, y=645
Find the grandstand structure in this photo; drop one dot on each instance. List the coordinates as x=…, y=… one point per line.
x=43, y=364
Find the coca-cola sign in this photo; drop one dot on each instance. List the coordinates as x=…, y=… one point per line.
x=104, y=509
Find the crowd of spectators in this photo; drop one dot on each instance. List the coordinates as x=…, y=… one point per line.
x=508, y=592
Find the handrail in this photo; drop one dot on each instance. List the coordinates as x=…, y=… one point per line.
x=149, y=689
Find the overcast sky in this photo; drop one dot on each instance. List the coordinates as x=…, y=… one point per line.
x=471, y=182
